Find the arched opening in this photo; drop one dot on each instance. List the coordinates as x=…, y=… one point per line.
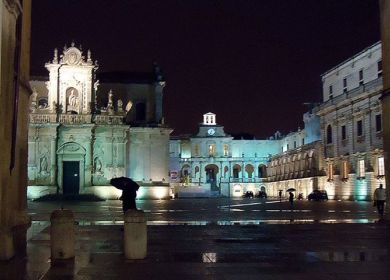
x=262, y=169
x=249, y=170
x=140, y=112
x=225, y=172
x=211, y=175
x=196, y=171
x=236, y=171
x=185, y=173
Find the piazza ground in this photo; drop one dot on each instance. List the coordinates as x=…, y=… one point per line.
x=215, y=239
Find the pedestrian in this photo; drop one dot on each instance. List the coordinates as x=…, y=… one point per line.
x=128, y=199
x=379, y=200
x=291, y=199
x=280, y=195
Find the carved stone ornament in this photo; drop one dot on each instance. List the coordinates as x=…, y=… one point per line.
x=72, y=56
x=71, y=147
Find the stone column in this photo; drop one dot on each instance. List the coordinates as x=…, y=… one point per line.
x=53, y=160
x=385, y=34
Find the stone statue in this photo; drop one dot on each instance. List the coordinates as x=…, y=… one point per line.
x=98, y=166
x=110, y=105
x=120, y=105
x=72, y=99
x=33, y=105
x=43, y=165
x=128, y=106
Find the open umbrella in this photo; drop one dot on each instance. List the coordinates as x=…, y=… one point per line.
x=124, y=183
x=291, y=190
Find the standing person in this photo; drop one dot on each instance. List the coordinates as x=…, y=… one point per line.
x=291, y=199
x=280, y=195
x=379, y=200
x=128, y=199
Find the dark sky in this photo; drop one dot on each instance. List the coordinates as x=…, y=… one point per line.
x=252, y=62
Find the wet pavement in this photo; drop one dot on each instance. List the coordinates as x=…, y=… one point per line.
x=209, y=239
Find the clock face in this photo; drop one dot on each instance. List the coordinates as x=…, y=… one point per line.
x=211, y=131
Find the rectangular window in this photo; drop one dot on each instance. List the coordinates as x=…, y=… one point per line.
x=379, y=65
x=345, y=86
x=359, y=128
x=361, y=168
x=361, y=78
x=330, y=92
x=211, y=150
x=343, y=132
x=225, y=150
x=196, y=150
x=381, y=166
x=295, y=144
x=303, y=141
x=378, y=123
x=287, y=147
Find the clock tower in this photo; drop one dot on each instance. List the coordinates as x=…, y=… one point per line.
x=210, y=128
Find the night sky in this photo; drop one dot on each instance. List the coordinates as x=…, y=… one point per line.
x=253, y=63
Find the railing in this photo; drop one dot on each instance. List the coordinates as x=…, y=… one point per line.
x=74, y=119
x=105, y=119
x=42, y=118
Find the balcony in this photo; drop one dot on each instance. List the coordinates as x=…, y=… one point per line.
x=74, y=119
x=42, y=118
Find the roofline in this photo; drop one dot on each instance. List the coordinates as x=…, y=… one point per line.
x=351, y=58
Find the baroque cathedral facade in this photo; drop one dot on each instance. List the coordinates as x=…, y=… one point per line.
x=85, y=129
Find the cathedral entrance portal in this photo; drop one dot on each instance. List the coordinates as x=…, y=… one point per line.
x=71, y=180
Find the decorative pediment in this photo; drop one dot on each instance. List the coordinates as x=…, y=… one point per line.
x=71, y=148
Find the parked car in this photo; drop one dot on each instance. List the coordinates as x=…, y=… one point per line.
x=248, y=194
x=318, y=195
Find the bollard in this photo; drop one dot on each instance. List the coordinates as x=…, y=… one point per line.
x=135, y=234
x=62, y=235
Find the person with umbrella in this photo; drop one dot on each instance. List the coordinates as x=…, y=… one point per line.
x=129, y=191
x=291, y=196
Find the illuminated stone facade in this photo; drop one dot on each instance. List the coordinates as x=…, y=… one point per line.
x=213, y=161
x=84, y=131
x=351, y=126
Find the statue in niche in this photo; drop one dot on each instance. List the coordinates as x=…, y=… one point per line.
x=110, y=105
x=72, y=99
x=98, y=166
x=43, y=165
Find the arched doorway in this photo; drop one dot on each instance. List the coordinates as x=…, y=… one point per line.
x=236, y=171
x=211, y=175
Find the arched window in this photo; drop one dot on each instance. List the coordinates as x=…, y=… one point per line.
x=42, y=103
x=236, y=171
x=262, y=169
x=329, y=134
x=249, y=170
x=140, y=112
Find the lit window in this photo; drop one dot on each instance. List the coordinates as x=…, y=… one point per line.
x=344, y=169
x=225, y=150
x=330, y=171
x=378, y=122
x=211, y=150
x=381, y=166
x=361, y=168
x=359, y=128
x=196, y=150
